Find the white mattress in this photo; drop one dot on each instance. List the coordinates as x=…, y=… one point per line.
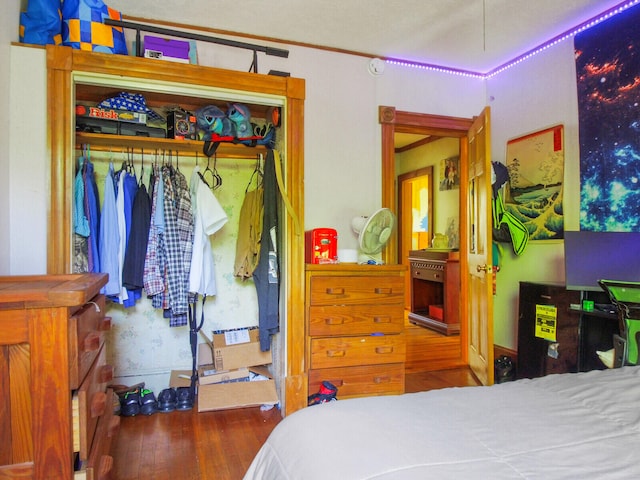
x=571, y=426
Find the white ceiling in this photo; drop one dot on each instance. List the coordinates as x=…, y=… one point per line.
x=475, y=35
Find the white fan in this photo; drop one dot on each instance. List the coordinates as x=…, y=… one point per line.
x=373, y=233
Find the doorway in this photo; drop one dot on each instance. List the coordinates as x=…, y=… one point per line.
x=415, y=217
x=426, y=350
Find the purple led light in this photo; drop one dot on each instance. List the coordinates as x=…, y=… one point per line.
x=554, y=41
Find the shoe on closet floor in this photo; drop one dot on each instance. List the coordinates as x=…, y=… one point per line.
x=166, y=400
x=147, y=402
x=184, y=398
x=130, y=403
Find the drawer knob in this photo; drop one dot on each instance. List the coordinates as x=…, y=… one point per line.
x=105, y=325
x=98, y=404
x=383, y=290
x=334, y=321
x=105, y=467
x=381, y=319
x=384, y=379
x=336, y=353
x=106, y=374
x=335, y=291
x=384, y=350
x=91, y=342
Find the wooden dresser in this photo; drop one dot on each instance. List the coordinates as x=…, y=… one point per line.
x=56, y=412
x=355, y=328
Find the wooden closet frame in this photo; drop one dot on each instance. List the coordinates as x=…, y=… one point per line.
x=62, y=62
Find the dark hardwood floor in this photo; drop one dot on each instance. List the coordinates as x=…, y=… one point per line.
x=217, y=445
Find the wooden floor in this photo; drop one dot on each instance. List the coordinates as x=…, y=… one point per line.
x=217, y=445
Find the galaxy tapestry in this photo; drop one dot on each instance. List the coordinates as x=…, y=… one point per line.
x=608, y=71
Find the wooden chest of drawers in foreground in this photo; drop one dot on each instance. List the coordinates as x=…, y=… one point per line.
x=355, y=328
x=57, y=419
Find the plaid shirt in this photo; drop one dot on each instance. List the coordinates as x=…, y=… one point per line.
x=154, y=258
x=178, y=242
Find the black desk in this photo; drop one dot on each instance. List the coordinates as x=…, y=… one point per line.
x=579, y=333
x=596, y=330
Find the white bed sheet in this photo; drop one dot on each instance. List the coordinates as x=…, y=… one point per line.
x=571, y=426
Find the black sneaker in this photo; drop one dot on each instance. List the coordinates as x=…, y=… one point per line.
x=184, y=399
x=130, y=403
x=147, y=402
x=166, y=400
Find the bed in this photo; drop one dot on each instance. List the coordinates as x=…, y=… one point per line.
x=569, y=426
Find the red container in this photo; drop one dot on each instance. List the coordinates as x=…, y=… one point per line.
x=321, y=245
x=437, y=312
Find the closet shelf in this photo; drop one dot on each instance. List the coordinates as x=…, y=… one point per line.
x=105, y=142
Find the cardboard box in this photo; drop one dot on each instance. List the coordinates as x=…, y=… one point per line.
x=233, y=349
x=224, y=396
x=180, y=378
x=208, y=375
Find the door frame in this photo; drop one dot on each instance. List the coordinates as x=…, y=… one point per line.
x=392, y=121
x=403, y=182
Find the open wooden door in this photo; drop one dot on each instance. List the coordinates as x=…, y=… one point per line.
x=478, y=250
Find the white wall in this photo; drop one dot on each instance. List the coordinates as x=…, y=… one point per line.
x=350, y=164
x=9, y=16
x=29, y=158
x=538, y=93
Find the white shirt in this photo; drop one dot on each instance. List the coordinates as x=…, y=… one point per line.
x=208, y=218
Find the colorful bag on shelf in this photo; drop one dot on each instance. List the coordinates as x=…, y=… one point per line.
x=41, y=23
x=83, y=27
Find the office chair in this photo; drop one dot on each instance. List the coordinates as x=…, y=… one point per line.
x=625, y=296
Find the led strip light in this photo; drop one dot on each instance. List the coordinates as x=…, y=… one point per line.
x=554, y=41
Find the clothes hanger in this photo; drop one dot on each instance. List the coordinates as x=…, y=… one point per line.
x=257, y=173
x=81, y=158
x=217, y=178
x=208, y=170
x=131, y=168
x=140, y=182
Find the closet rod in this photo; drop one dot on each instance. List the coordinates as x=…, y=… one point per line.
x=186, y=148
x=137, y=151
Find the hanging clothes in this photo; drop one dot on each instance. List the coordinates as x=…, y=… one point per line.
x=92, y=212
x=249, y=231
x=208, y=218
x=127, y=188
x=266, y=274
x=80, y=223
x=178, y=238
x=133, y=270
x=154, y=263
x=109, y=236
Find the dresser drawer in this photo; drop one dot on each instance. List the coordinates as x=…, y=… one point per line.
x=99, y=464
x=93, y=402
x=87, y=329
x=358, y=350
x=355, y=320
x=361, y=290
x=361, y=381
